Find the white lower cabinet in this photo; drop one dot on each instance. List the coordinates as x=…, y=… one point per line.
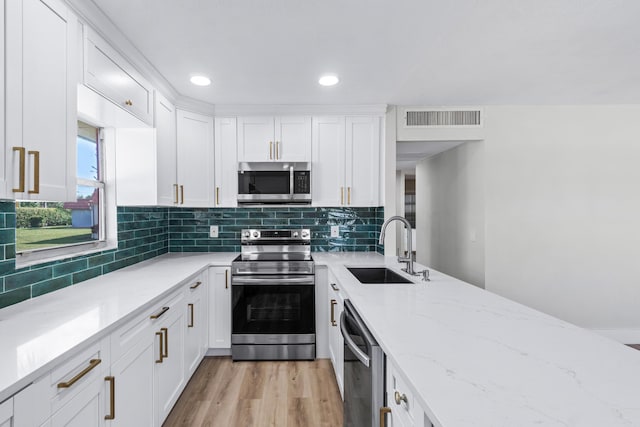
x=196, y=329
x=400, y=398
x=6, y=413
x=84, y=410
x=220, y=307
x=335, y=306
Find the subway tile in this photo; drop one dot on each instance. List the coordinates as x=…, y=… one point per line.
x=69, y=267
x=96, y=260
x=7, y=235
x=51, y=285
x=14, y=296
x=7, y=266
x=81, y=276
x=26, y=278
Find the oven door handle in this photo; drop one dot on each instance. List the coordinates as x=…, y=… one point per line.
x=272, y=280
x=361, y=355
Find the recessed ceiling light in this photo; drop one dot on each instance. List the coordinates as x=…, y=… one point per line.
x=329, y=80
x=200, y=80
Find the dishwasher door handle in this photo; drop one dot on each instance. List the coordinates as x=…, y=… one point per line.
x=361, y=355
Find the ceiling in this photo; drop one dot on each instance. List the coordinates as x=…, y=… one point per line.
x=405, y=52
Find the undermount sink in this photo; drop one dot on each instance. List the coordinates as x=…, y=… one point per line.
x=368, y=275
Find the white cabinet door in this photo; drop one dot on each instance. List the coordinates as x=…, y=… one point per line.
x=86, y=409
x=136, y=167
x=106, y=72
x=4, y=191
x=165, y=124
x=335, y=306
x=328, y=167
x=169, y=375
x=6, y=413
x=133, y=386
x=195, y=159
x=220, y=307
x=256, y=139
x=293, y=139
x=226, y=162
x=196, y=324
x=362, y=161
x=42, y=121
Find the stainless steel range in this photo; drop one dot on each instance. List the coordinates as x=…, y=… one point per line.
x=273, y=297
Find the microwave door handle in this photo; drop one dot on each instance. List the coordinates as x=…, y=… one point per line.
x=361, y=355
x=291, y=181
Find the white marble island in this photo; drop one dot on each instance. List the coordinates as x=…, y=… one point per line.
x=477, y=359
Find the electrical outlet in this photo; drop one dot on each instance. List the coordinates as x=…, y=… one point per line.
x=335, y=231
x=213, y=231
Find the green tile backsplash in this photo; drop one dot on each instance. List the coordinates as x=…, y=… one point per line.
x=144, y=233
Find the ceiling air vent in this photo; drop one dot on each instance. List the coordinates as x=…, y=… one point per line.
x=442, y=118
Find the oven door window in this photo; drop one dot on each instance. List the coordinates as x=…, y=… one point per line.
x=264, y=182
x=273, y=309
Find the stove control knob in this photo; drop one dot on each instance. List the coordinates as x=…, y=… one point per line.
x=246, y=234
x=305, y=234
x=295, y=234
x=256, y=234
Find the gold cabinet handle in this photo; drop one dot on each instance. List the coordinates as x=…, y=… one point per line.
x=128, y=102
x=333, y=312
x=226, y=279
x=270, y=150
x=190, y=325
x=217, y=196
x=334, y=287
x=342, y=195
x=160, y=313
x=384, y=411
x=92, y=364
x=399, y=398
x=166, y=341
x=22, y=152
x=277, y=151
x=176, y=188
x=160, y=335
x=194, y=286
x=182, y=194
x=348, y=195
x=112, y=398
x=36, y=172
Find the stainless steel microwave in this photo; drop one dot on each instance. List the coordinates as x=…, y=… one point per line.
x=274, y=182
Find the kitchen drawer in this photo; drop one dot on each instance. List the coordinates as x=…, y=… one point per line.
x=72, y=376
x=142, y=326
x=405, y=409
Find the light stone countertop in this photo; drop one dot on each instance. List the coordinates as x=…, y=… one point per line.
x=477, y=359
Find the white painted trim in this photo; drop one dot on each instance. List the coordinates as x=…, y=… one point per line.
x=624, y=336
x=251, y=110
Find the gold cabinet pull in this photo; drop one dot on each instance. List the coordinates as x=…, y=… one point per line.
x=182, y=194
x=190, y=325
x=166, y=342
x=160, y=313
x=22, y=152
x=195, y=285
x=176, y=188
x=217, y=196
x=333, y=312
x=348, y=195
x=384, y=411
x=399, y=398
x=128, y=102
x=112, y=398
x=334, y=287
x=92, y=364
x=160, y=335
x=226, y=279
x=36, y=172
x=270, y=150
x=277, y=151
x=342, y=195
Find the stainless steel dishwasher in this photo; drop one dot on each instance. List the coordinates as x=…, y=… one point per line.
x=363, y=371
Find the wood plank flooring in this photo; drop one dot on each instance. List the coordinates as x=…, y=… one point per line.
x=284, y=394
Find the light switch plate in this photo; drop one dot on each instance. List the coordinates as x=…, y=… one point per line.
x=213, y=231
x=335, y=231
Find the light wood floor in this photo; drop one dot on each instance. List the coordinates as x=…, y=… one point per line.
x=285, y=394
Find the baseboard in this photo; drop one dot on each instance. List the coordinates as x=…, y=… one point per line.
x=218, y=352
x=624, y=336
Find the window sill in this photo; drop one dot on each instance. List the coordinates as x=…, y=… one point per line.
x=31, y=258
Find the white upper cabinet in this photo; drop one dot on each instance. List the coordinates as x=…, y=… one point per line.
x=165, y=124
x=106, y=72
x=226, y=163
x=41, y=87
x=346, y=156
x=195, y=159
x=4, y=191
x=263, y=139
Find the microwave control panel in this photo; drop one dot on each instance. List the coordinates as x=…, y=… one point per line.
x=301, y=182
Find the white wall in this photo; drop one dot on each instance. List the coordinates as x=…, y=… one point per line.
x=563, y=212
x=450, y=212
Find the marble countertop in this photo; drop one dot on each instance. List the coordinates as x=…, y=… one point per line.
x=36, y=334
x=477, y=359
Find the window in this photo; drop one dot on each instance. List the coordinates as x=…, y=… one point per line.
x=44, y=226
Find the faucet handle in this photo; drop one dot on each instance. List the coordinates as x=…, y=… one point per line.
x=425, y=275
